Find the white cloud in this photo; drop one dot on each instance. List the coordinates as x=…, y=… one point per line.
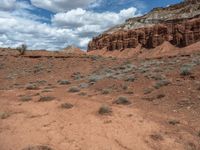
x=75, y=27
x=87, y=21
x=10, y=5
x=15, y=30
x=7, y=4
x=95, y=4
x=61, y=5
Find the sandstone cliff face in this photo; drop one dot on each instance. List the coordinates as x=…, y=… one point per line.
x=182, y=30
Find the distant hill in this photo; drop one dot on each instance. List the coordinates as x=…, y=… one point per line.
x=72, y=50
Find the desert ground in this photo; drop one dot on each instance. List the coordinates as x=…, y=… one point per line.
x=57, y=101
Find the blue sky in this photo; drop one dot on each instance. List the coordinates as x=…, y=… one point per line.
x=53, y=24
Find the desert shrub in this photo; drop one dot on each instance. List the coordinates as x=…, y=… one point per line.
x=158, y=70
x=77, y=76
x=82, y=94
x=157, y=77
x=112, y=58
x=127, y=62
x=129, y=92
x=105, y=91
x=84, y=85
x=38, y=147
x=108, y=70
x=148, y=90
x=4, y=115
x=36, y=94
x=122, y=67
x=74, y=89
x=46, y=98
x=1, y=66
x=185, y=103
x=66, y=105
x=94, y=79
x=156, y=137
x=94, y=58
x=25, y=98
x=173, y=122
x=131, y=66
x=161, y=83
x=159, y=96
x=104, y=109
x=41, y=82
x=47, y=90
x=185, y=71
x=38, y=68
x=64, y=82
x=32, y=87
x=130, y=79
x=22, y=49
x=49, y=87
x=122, y=101
x=143, y=70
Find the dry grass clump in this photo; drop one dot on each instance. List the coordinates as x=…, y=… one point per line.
x=122, y=101
x=105, y=110
x=4, y=115
x=46, y=98
x=67, y=105
x=26, y=98
x=32, y=87
x=38, y=147
x=64, y=82
x=74, y=89
x=185, y=71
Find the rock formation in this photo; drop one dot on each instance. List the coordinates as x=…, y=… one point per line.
x=179, y=24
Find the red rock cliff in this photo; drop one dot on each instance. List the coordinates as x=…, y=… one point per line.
x=153, y=31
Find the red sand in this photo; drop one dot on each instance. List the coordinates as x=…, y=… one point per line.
x=152, y=122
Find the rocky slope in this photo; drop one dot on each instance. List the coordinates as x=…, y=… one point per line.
x=179, y=24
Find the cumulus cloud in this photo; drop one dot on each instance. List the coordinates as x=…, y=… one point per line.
x=74, y=27
x=80, y=17
x=10, y=5
x=7, y=4
x=88, y=23
x=15, y=30
x=61, y=5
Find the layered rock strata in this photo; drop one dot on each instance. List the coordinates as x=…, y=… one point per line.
x=180, y=31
